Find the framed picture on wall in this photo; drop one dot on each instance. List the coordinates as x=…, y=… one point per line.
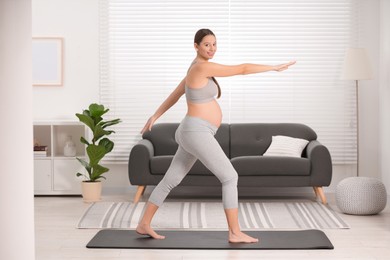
x=47, y=61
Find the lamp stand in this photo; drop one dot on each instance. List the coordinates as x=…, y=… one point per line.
x=357, y=127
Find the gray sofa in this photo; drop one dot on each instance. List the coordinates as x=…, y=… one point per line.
x=244, y=144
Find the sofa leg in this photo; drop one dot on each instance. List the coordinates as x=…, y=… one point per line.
x=140, y=192
x=320, y=192
x=315, y=192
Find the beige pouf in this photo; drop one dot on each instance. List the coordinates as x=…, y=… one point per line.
x=361, y=196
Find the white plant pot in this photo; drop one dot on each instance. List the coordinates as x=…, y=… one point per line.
x=91, y=191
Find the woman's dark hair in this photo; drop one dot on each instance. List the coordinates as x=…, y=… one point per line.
x=201, y=34
x=198, y=39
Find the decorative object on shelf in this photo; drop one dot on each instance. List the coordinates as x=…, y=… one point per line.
x=361, y=196
x=36, y=142
x=96, y=148
x=69, y=147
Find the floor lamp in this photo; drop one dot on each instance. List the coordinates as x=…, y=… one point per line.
x=356, y=67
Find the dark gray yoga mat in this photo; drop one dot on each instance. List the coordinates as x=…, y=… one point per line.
x=301, y=239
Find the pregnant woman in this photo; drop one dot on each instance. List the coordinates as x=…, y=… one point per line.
x=195, y=134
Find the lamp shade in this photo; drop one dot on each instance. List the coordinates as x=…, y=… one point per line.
x=356, y=65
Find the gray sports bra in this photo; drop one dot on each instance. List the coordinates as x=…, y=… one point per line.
x=203, y=94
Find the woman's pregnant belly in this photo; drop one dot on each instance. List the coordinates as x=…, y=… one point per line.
x=210, y=111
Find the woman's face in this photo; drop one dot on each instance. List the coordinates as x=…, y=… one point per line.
x=207, y=47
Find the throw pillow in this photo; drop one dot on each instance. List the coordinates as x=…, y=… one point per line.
x=286, y=146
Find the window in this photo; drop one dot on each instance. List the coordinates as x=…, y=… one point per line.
x=147, y=46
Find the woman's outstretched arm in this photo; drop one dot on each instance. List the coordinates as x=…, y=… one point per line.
x=211, y=69
x=167, y=104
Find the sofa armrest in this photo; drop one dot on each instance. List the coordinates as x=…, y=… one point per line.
x=139, y=161
x=147, y=145
x=321, y=163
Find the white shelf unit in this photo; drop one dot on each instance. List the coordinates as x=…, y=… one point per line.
x=56, y=173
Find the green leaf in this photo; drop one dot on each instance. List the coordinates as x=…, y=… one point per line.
x=110, y=123
x=98, y=120
x=99, y=133
x=100, y=177
x=107, y=144
x=86, y=112
x=95, y=153
x=80, y=174
x=82, y=140
x=97, y=110
x=97, y=171
x=87, y=120
x=85, y=164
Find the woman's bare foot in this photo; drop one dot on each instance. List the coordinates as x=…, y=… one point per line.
x=239, y=237
x=144, y=229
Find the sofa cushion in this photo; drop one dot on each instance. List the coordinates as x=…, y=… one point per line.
x=271, y=166
x=244, y=165
x=160, y=164
x=255, y=138
x=286, y=146
x=162, y=137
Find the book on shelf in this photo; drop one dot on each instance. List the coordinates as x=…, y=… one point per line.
x=40, y=148
x=40, y=151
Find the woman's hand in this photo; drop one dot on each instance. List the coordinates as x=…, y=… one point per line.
x=284, y=66
x=149, y=124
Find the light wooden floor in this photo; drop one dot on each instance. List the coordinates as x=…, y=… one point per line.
x=57, y=237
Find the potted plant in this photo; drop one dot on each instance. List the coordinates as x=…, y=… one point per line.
x=96, y=149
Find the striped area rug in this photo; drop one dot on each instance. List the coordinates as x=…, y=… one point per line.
x=211, y=216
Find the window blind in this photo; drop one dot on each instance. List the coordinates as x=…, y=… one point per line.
x=146, y=48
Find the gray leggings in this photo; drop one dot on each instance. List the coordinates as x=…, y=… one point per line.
x=195, y=137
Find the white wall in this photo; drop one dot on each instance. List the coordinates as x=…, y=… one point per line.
x=385, y=93
x=369, y=92
x=77, y=22
x=16, y=186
